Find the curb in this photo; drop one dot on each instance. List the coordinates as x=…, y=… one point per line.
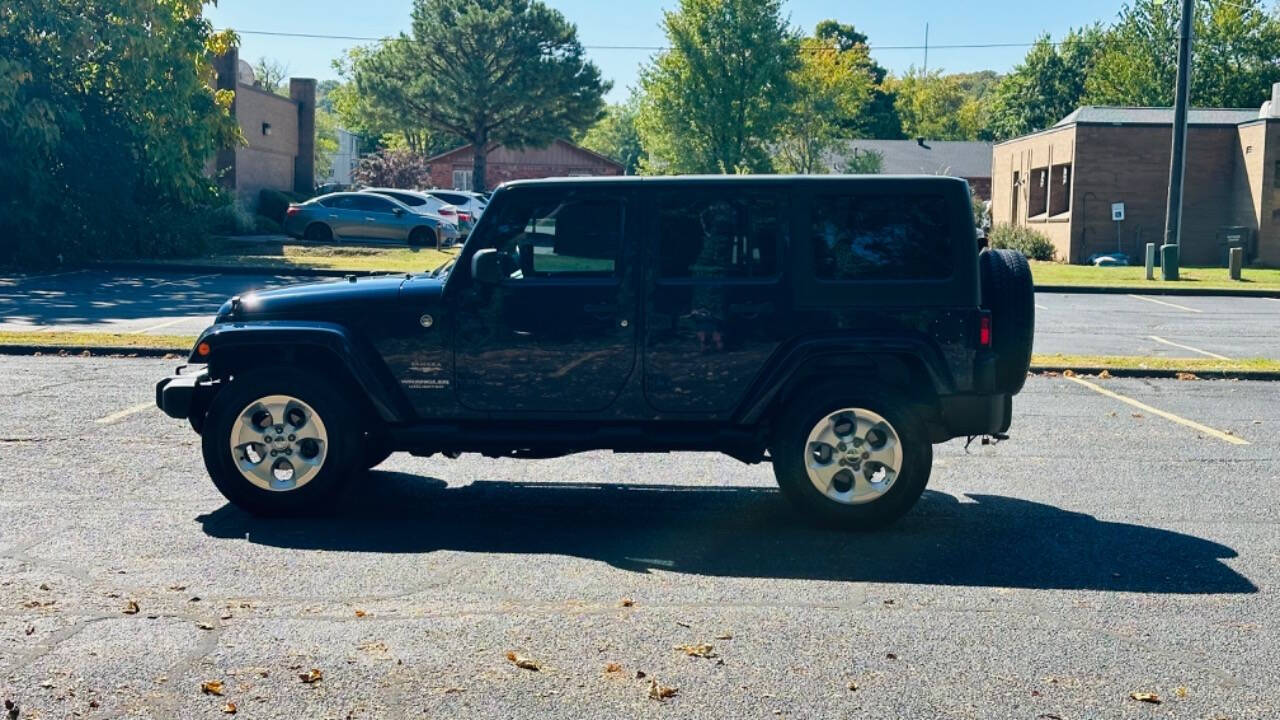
x=1156, y=290
x=93, y=350
x=1263, y=375
x=234, y=269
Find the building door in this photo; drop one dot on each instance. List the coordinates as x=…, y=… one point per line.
x=558, y=332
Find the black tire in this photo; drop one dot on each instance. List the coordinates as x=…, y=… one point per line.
x=318, y=232
x=420, y=236
x=343, y=451
x=1008, y=293
x=789, y=453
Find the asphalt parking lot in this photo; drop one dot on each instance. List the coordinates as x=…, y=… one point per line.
x=1105, y=549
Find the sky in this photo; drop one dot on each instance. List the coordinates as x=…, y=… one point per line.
x=638, y=23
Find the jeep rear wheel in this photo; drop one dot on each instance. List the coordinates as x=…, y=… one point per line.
x=279, y=443
x=855, y=461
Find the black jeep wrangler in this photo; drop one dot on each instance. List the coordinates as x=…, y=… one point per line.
x=836, y=326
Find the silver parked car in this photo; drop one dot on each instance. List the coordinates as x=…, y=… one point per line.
x=365, y=216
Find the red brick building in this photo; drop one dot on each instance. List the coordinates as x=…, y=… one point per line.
x=561, y=158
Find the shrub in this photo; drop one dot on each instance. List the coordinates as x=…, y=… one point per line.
x=273, y=204
x=1032, y=243
x=231, y=219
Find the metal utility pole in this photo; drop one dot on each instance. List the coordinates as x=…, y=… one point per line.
x=926, y=49
x=1177, y=158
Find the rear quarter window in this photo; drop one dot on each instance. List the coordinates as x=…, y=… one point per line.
x=880, y=237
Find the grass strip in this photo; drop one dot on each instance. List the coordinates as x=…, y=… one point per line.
x=1134, y=277
x=71, y=340
x=1139, y=362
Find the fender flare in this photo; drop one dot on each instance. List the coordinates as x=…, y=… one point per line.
x=228, y=343
x=792, y=363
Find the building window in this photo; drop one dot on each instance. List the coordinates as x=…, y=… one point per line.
x=462, y=179
x=1017, y=192
x=1060, y=189
x=1038, y=194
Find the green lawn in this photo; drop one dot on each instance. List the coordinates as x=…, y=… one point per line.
x=77, y=340
x=1050, y=273
x=287, y=255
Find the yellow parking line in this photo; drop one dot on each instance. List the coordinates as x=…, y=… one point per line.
x=1171, y=343
x=1169, y=304
x=1162, y=413
x=117, y=416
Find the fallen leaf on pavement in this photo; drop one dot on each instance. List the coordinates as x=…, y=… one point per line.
x=30, y=629
x=45, y=587
x=311, y=676
x=639, y=674
x=360, y=613
x=523, y=662
x=890, y=656
x=204, y=625
x=853, y=686
x=1068, y=373
x=683, y=624
x=225, y=616
x=1104, y=375
x=211, y=687
x=724, y=636
x=702, y=650
x=1146, y=697
x=1181, y=691
x=177, y=588
x=131, y=608
x=1187, y=376
x=613, y=668
x=661, y=692
x=229, y=708
x=1137, y=415
x=626, y=602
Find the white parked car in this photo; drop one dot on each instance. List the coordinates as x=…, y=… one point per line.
x=467, y=202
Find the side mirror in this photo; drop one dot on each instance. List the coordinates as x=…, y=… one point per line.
x=486, y=266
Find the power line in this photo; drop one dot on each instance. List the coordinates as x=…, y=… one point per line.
x=659, y=48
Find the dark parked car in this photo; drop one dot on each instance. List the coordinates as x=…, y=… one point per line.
x=366, y=216
x=835, y=326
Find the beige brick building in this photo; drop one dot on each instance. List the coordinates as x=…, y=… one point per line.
x=1064, y=181
x=279, y=133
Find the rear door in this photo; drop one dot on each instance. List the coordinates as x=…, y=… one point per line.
x=378, y=219
x=715, y=308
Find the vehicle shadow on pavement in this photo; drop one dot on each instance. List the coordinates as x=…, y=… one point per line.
x=982, y=540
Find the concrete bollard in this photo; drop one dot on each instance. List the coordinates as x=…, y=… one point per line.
x=1151, y=261
x=1168, y=262
x=1235, y=262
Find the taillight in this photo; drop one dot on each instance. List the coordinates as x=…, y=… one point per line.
x=293, y=210
x=464, y=217
x=447, y=212
x=984, y=330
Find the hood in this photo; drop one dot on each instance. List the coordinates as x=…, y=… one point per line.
x=307, y=299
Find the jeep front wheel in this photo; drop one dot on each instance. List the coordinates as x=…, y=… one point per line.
x=279, y=443
x=853, y=462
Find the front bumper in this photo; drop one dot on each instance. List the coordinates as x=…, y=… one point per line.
x=177, y=395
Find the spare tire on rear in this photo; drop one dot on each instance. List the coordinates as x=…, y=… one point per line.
x=1007, y=292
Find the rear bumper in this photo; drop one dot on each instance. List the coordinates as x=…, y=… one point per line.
x=964, y=415
x=177, y=395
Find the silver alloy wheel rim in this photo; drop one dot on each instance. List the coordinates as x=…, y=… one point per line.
x=853, y=456
x=279, y=443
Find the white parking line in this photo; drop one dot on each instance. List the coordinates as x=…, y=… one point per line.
x=1162, y=413
x=157, y=327
x=1040, y=307
x=50, y=275
x=117, y=416
x=1169, y=304
x=182, y=280
x=1206, y=353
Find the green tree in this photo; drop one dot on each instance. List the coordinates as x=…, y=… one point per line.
x=877, y=118
x=1234, y=58
x=107, y=119
x=937, y=106
x=377, y=123
x=1046, y=86
x=714, y=101
x=615, y=136
x=830, y=86
x=272, y=75
x=491, y=72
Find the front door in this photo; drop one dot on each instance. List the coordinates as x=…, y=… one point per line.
x=558, y=333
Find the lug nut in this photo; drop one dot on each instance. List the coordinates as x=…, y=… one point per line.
x=273, y=453
x=292, y=438
x=866, y=455
x=279, y=428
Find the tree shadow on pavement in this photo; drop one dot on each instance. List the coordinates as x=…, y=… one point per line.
x=982, y=540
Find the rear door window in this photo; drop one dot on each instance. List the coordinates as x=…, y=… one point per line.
x=372, y=203
x=719, y=233
x=876, y=237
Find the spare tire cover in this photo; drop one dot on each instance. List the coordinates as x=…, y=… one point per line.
x=1007, y=292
